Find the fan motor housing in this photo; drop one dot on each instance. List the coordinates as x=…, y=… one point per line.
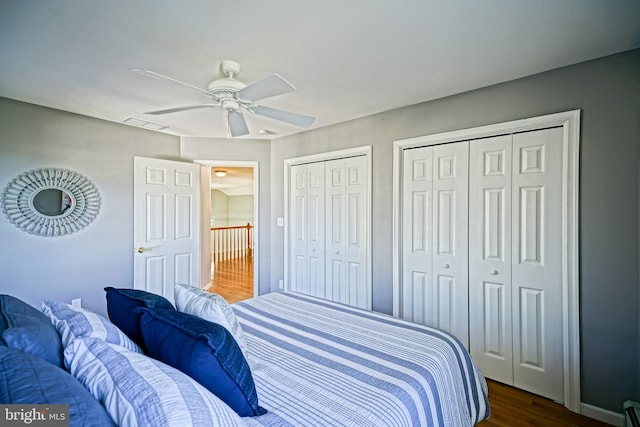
x=227, y=85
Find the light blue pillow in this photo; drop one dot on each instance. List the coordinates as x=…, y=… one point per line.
x=139, y=391
x=75, y=322
x=25, y=379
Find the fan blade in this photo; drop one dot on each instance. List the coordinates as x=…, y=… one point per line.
x=237, y=124
x=177, y=109
x=269, y=86
x=149, y=73
x=284, y=116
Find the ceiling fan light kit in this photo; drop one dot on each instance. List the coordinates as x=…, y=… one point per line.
x=233, y=96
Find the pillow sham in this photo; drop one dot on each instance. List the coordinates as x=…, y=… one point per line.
x=139, y=391
x=25, y=379
x=25, y=328
x=76, y=322
x=206, y=352
x=121, y=304
x=211, y=307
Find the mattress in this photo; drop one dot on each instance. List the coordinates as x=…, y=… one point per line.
x=320, y=363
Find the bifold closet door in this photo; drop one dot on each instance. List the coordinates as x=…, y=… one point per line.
x=434, y=288
x=345, y=221
x=491, y=342
x=328, y=230
x=307, y=217
x=515, y=260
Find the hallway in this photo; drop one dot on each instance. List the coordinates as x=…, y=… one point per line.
x=233, y=279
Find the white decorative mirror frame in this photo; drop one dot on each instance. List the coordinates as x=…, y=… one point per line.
x=50, y=202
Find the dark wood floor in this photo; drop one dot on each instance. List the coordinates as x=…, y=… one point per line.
x=510, y=407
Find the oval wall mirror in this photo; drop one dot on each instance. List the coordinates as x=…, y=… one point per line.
x=50, y=201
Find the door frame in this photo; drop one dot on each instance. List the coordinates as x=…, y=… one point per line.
x=255, y=165
x=570, y=122
x=366, y=151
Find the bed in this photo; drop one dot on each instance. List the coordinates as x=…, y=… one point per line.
x=318, y=363
x=282, y=359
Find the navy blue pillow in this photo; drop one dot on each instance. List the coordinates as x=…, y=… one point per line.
x=25, y=379
x=205, y=351
x=24, y=328
x=121, y=304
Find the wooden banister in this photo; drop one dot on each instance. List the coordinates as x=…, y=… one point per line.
x=232, y=242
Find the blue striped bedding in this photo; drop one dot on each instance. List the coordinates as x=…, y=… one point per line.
x=319, y=363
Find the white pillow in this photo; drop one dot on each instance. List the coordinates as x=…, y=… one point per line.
x=137, y=390
x=211, y=307
x=75, y=322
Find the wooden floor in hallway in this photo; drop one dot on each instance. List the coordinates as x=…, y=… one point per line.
x=233, y=279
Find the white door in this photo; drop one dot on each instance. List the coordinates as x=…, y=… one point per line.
x=307, y=227
x=345, y=220
x=536, y=275
x=490, y=257
x=451, y=238
x=435, y=237
x=417, y=236
x=515, y=260
x=166, y=225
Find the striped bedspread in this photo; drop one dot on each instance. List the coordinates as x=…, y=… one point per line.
x=319, y=363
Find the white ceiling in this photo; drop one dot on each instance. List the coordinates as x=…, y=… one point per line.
x=348, y=58
x=238, y=181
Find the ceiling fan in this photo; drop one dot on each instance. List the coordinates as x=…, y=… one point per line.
x=233, y=96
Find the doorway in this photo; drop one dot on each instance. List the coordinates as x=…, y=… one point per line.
x=232, y=210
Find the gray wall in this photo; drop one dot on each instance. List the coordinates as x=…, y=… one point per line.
x=231, y=210
x=83, y=263
x=219, y=208
x=240, y=210
x=607, y=91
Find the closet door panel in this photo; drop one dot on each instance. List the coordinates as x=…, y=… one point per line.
x=537, y=268
x=490, y=291
x=356, y=231
x=450, y=251
x=346, y=257
x=417, y=304
x=435, y=233
x=307, y=214
x=298, y=208
x=335, y=230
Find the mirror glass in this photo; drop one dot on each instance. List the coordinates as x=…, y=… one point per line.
x=52, y=202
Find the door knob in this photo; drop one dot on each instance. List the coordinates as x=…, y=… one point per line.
x=140, y=250
x=494, y=272
x=445, y=265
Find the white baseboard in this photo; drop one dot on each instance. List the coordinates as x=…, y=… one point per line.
x=606, y=416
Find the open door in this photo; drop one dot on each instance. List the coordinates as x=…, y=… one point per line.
x=166, y=225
